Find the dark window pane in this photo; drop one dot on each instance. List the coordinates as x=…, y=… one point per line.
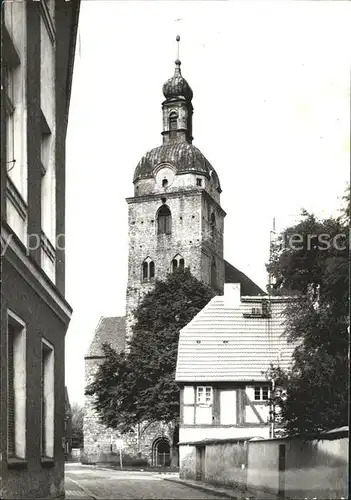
x=168, y=224
x=181, y=264
x=265, y=393
x=152, y=270
x=213, y=273
x=164, y=220
x=145, y=270
x=257, y=393
x=174, y=264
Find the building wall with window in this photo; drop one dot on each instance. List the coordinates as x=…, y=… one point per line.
x=224, y=354
x=37, y=43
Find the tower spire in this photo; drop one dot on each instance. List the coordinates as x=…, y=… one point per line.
x=178, y=40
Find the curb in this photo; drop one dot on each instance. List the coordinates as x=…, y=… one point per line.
x=203, y=487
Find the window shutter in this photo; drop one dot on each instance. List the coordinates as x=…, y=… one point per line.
x=10, y=395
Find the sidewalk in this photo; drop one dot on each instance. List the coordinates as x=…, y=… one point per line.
x=233, y=493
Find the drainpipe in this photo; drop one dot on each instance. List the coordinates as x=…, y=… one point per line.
x=272, y=409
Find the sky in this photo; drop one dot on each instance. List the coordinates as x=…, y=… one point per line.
x=271, y=114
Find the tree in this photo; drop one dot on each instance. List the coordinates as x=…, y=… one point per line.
x=137, y=385
x=311, y=261
x=77, y=412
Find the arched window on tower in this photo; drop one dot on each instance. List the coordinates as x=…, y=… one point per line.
x=213, y=273
x=164, y=220
x=213, y=225
x=148, y=269
x=177, y=262
x=173, y=118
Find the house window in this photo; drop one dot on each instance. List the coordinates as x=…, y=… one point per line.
x=199, y=182
x=262, y=393
x=16, y=387
x=8, y=87
x=148, y=269
x=164, y=220
x=204, y=395
x=47, y=399
x=203, y=409
x=173, y=125
x=177, y=263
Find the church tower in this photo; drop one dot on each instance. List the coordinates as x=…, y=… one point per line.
x=175, y=218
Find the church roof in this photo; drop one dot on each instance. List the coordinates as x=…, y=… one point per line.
x=177, y=86
x=185, y=157
x=226, y=342
x=233, y=275
x=110, y=330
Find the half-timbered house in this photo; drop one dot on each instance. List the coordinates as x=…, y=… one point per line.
x=224, y=355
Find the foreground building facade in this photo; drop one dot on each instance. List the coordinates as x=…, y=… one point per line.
x=175, y=219
x=224, y=355
x=38, y=44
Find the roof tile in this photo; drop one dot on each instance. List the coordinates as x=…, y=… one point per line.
x=110, y=330
x=251, y=344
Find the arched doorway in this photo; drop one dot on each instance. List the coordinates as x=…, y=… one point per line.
x=161, y=452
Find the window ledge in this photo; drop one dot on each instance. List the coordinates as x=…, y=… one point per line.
x=16, y=463
x=47, y=462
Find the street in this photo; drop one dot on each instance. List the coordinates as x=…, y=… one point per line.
x=90, y=482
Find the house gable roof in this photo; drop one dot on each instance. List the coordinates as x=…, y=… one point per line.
x=233, y=275
x=110, y=330
x=221, y=344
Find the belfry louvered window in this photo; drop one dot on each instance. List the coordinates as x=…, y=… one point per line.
x=173, y=125
x=213, y=273
x=164, y=220
x=177, y=263
x=213, y=225
x=11, y=394
x=148, y=269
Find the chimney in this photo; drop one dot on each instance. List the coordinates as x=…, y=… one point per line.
x=232, y=295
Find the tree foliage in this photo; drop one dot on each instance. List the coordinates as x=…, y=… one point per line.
x=77, y=414
x=138, y=385
x=313, y=395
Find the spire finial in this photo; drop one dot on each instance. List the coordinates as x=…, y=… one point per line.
x=177, y=61
x=178, y=40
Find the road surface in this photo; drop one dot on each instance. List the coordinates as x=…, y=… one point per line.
x=90, y=482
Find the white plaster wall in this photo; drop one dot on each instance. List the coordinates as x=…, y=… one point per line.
x=47, y=104
x=15, y=21
x=16, y=221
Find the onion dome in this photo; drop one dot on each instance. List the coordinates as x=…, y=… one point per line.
x=177, y=86
x=184, y=157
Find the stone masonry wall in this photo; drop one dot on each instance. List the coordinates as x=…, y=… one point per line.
x=100, y=442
